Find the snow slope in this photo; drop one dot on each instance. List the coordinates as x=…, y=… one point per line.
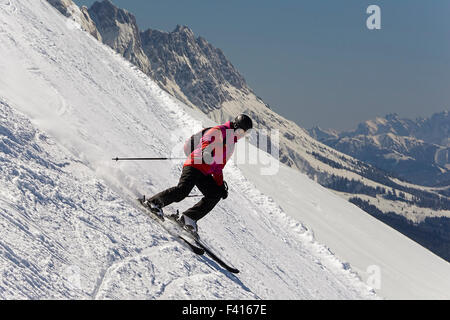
x=405, y=269
x=70, y=226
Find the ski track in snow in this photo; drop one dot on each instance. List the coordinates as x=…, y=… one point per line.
x=69, y=221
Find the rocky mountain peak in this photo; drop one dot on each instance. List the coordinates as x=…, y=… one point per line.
x=119, y=30
x=392, y=116
x=198, y=72
x=322, y=134
x=106, y=9
x=80, y=15
x=183, y=29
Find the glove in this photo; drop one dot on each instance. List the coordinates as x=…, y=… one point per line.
x=224, y=194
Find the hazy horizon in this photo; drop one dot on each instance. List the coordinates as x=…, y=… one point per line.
x=316, y=62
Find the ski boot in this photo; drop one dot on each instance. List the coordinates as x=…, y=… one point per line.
x=155, y=208
x=188, y=224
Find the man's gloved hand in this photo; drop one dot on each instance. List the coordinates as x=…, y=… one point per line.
x=224, y=187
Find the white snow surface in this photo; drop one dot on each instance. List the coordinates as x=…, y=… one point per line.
x=70, y=225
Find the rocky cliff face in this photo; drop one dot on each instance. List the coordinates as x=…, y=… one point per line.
x=435, y=129
x=119, y=30
x=191, y=68
x=80, y=15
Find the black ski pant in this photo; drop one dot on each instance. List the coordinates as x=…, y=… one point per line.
x=191, y=177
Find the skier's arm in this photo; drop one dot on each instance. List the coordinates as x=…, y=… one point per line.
x=212, y=146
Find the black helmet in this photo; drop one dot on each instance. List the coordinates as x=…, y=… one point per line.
x=243, y=121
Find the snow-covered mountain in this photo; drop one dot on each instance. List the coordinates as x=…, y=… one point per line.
x=415, y=150
x=434, y=129
x=69, y=221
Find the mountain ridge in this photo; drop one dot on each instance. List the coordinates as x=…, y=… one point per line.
x=415, y=150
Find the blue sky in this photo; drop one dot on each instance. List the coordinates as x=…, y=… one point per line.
x=314, y=61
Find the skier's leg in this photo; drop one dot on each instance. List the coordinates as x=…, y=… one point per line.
x=211, y=192
x=188, y=179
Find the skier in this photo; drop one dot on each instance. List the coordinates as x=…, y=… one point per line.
x=203, y=168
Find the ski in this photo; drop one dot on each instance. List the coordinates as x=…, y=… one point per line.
x=195, y=237
x=194, y=248
x=180, y=238
x=192, y=241
x=210, y=253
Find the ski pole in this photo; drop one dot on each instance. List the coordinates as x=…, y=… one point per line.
x=154, y=158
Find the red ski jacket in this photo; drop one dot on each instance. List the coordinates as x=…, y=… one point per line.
x=213, y=151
